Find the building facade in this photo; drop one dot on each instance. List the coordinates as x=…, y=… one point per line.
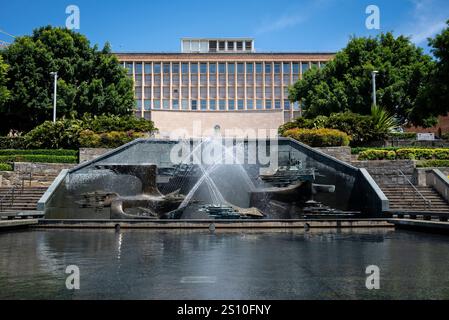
x=220, y=83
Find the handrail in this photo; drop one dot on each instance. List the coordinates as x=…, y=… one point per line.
x=14, y=187
x=427, y=201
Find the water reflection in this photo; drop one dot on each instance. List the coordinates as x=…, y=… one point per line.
x=234, y=264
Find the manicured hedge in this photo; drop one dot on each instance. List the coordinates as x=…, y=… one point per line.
x=405, y=154
x=402, y=135
x=38, y=158
x=113, y=139
x=319, y=137
x=56, y=152
x=433, y=164
x=5, y=167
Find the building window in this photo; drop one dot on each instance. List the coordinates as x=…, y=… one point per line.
x=277, y=68
x=231, y=68
x=166, y=68
x=231, y=105
x=176, y=104
x=248, y=45
x=148, y=68
x=138, y=92
x=286, y=104
x=213, y=68
x=249, y=104
x=194, y=68
x=157, y=68
x=221, y=68
x=147, y=104
x=222, y=104
x=129, y=67
x=239, y=46
x=185, y=104
x=194, y=105
x=222, y=46
x=277, y=104
x=249, y=67
x=185, y=68
x=241, y=104
x=203, y=104
x=286, y=67
x=259, y=68
x=212, y=105
x=268, y=104
x=203, y=68
x=139, y=104
x=305, y=67
x=166, y=104
x=213, y=46
x=296, y=68
x=230, y=45
x=240, y=68
x=267, y=67
x=175, y=67
x=259, y=104
x=157, y=104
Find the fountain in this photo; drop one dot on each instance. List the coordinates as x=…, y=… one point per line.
x=211, y=179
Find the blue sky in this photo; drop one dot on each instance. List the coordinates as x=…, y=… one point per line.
x=277, y=25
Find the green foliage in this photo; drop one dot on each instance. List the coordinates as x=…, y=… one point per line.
x=5, y=167
x=383, y=121
x=72, y=134
x=39, y=158
x=319, y=137
x=12, y=142
x=4, y=92
x=433, y=164
x=360, y=128
x=89, y=80
x=57, y=152
x=113, y=139
x=434, y=95
x=345, y=83
x=402, y=153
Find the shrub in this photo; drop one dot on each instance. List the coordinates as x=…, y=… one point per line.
x=56, y=152
x=12, y=142
x=441, y=154
x=377, y=155
x=109, y=123
x=38, y=158
x=61, y=134
x=433, y=163
x=5, y=167
x=319, y=137
x=113, y=139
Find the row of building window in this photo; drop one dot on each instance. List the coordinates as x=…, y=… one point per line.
x=221, y=68
x=221, y=105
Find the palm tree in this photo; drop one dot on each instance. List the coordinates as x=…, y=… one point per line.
x=383, y=121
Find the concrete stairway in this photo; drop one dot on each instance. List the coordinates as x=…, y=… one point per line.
x=404, y=197
x=23, y=200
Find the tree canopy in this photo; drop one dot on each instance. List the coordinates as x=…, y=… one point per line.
x=434, y=96
x=4, y=93
x=345, y=83
x=89, y=80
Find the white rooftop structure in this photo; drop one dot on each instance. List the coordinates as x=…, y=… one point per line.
x=217, y=45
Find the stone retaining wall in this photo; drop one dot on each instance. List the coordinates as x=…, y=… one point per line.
x=42, y=174
x=341, y=153
x=386, y=172
x=87, y=154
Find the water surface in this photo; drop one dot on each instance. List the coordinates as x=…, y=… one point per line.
x=244, y=264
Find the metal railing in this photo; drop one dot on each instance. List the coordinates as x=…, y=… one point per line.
x=18, y=186
x=426, y=201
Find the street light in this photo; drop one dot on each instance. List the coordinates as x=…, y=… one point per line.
x=55, y=74
x=374, y=74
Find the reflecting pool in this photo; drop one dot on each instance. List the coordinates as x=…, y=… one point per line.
x=239, y=264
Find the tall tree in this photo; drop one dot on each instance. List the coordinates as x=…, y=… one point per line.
x=345, y=83
x=90, y=80
x=434, y=96
x=4, y=93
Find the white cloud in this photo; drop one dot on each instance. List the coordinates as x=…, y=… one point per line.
x=283, y=22
x=427, y=19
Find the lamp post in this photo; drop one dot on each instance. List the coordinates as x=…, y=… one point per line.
x=374, y=74
x=55, y=74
